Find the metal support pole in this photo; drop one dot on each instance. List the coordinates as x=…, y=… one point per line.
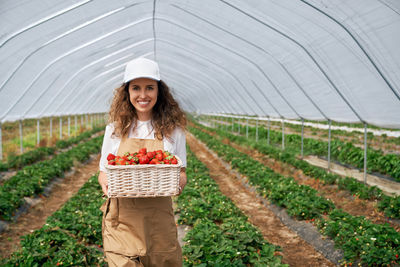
x=38, y=131
x=1, y=143
x=247, y=128
x=21, y=141
x=365, y=153
x=91, y=121
x=302, y=137
x=60, y=127
x=329, y=146
x=51, y=127
x=81, y=122
x=269, y=125
x=257, y=130
x=76, y=126
x=87, y=120
x=283, y=134
x=69, y=126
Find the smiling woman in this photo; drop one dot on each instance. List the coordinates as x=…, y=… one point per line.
x=142, y=231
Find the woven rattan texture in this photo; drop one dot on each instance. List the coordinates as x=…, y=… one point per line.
x=146, y=180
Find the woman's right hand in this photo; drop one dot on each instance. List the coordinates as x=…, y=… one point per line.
x=103, y=182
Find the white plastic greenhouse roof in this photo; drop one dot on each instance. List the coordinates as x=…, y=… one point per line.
x=311, y=59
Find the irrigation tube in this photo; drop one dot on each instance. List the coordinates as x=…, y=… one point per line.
x=329, y=146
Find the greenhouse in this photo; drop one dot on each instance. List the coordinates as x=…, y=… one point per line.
x=200, y=133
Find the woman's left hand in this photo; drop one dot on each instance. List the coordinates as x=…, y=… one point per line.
x=182, y=180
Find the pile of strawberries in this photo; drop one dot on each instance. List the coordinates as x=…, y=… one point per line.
x=142, y=157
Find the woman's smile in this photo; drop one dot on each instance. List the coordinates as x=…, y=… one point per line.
x=143, y=94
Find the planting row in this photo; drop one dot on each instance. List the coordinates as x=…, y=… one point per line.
x=70, y=237
x=343, y=152
x=221, y=234
x=361, y=240
x=40, y=153
x=389, y=205
x=31, y=180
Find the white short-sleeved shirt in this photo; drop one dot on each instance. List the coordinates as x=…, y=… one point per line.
x=144, y=130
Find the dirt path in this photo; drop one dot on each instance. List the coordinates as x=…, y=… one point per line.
x=295, y=251
x=37, y=215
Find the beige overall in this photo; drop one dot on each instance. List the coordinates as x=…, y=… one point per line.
x=140, y=231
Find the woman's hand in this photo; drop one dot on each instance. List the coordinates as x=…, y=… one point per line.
x=103, y=182
x=182, y=180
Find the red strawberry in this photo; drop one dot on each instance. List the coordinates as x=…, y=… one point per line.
x=110, y=156
x=143, y=151
x=174, y=161
x=111, y=162
x=159, y=152
x=154, y=161
x=144, y=160
x=159, y=157
x=166, y=161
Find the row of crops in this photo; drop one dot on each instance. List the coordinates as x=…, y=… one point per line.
x=31, y=180
x=343, y=152
x=361, y=240
x=390, y=205
x=220, y=233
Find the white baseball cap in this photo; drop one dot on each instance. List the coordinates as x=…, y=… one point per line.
x=141, y=68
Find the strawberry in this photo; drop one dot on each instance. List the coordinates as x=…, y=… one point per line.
x=154, y=161
x=144, y=160
x=110, y=156
x=150, y=155
x=159, y=156
x=159, y=152
x=143, y=151
x=174, y=161
x=166, y=161
x=126, y=154
x=120, y=161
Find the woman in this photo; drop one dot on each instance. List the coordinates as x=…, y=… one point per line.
x=142, y=231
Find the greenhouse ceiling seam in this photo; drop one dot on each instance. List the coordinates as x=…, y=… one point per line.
x=48, y=18
x=305, y=50
x=67, y=54
x=72, y=92
x=254, y=45
x=73, y=30
x=226, y=48
x=206, y=59
x=386, y=4
x=359, y=45
x=154, y=30
x=220, y=103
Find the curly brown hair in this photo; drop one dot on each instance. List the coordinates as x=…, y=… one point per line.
x=166, y=113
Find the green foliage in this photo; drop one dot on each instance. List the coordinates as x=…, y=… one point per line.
x=221, y=234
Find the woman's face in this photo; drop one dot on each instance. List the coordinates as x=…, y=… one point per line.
x=143, y=96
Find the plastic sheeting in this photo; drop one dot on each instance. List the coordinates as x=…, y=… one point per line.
x=311, y=59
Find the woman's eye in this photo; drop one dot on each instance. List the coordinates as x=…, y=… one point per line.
x=150, y=88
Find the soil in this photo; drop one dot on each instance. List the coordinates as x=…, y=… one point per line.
x=341, y=198
x=295, y=251
x=37, y=215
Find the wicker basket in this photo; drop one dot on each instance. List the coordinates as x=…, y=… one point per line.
x=147, y=180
